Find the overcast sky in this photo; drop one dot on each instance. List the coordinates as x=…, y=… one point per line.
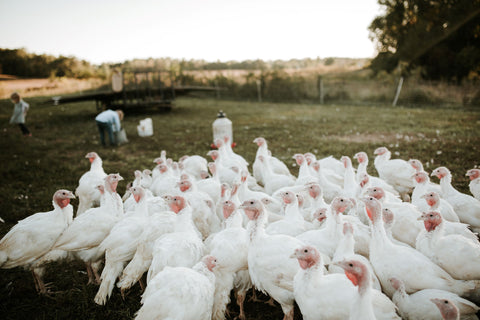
x=118, y=30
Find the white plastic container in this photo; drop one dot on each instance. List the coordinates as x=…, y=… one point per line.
x=145, y=128
x=222, y=127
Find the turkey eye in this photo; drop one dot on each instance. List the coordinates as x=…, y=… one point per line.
x=305, y=250
x=351, y=265
x=341, y=200
x=374, y=190
x=251, y=202
x=446, y=301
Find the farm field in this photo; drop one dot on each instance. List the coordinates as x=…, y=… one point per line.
x=54, y=157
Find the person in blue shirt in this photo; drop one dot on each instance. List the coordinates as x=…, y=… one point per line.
x=109, y=121
x=19, y=113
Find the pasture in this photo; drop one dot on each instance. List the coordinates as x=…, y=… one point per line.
x=33, y=168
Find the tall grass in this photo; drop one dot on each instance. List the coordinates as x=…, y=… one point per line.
x=33, y=168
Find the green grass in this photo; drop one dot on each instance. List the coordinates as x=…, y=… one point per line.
x=33, y=168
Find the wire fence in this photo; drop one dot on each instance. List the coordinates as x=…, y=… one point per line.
x=337, y=89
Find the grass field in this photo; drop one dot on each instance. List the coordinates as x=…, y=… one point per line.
x=33, y=168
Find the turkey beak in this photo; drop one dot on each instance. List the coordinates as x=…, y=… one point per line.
x=71, y=195
x=422, y=217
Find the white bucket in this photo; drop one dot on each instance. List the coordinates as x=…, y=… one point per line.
x=145, y=128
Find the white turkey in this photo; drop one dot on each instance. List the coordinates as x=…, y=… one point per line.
x=183, y=293
x=33, y=237
x=359, y=274
x=181, y=248
x=87, y=192
x=456, y=254
x=345, y=251
x=330, y=189
x=274, y=181
x=407, y=264
x=203, y=210
x=226, y=170
x=305, y=174
x=228, y=156
x=87, y=231
x=230, y=247
x=422, y=185
x=362, y=159
x=329, y=296
x=195, y=166
x=211, y=185
x=326, y=239
x=406, y=227
x=160, y=223
x=474, y=185
x=466, y=206
x=416, y=305
x=164, y=182
x=269, y=263
x=293, y=224
x=120, y=245
x=396, y=172
x=317, y=202
x=277, y=165
x=433, y=202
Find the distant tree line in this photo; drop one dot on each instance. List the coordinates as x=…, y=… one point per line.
x=20, y=63
x=441, y=37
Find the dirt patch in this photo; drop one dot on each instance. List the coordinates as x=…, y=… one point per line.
x=373, y=138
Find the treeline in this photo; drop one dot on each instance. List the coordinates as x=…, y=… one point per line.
x=19, y=62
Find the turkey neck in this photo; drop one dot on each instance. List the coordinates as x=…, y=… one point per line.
x=345, y=247
x=256, y=228
x=184, y=222
x=96, y=165
x=291, y=211
x=235, y=220
x=361, y=169
x=65, y=214
x=262, y=151
x=419, y=190
x=114, y=201
x=363, y=302
x=304, y=171
x=379, y=235
x=382, y=159
x=349, y=183
x=446, y=185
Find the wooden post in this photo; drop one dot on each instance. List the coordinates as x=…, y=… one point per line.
x=259, y=90
x=320, y=89
x=397, y=94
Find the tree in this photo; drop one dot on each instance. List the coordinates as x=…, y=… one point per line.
x=440, y=36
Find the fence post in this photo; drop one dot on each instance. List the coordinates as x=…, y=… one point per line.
x=259, y=90
x=320, y=89
x=397, y=94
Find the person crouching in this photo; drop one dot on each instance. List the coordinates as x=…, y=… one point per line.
x=109, y=121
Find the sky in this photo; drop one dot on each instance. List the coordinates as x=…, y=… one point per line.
x=117, y=30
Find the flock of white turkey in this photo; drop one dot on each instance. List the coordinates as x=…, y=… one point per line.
x=339, y=242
